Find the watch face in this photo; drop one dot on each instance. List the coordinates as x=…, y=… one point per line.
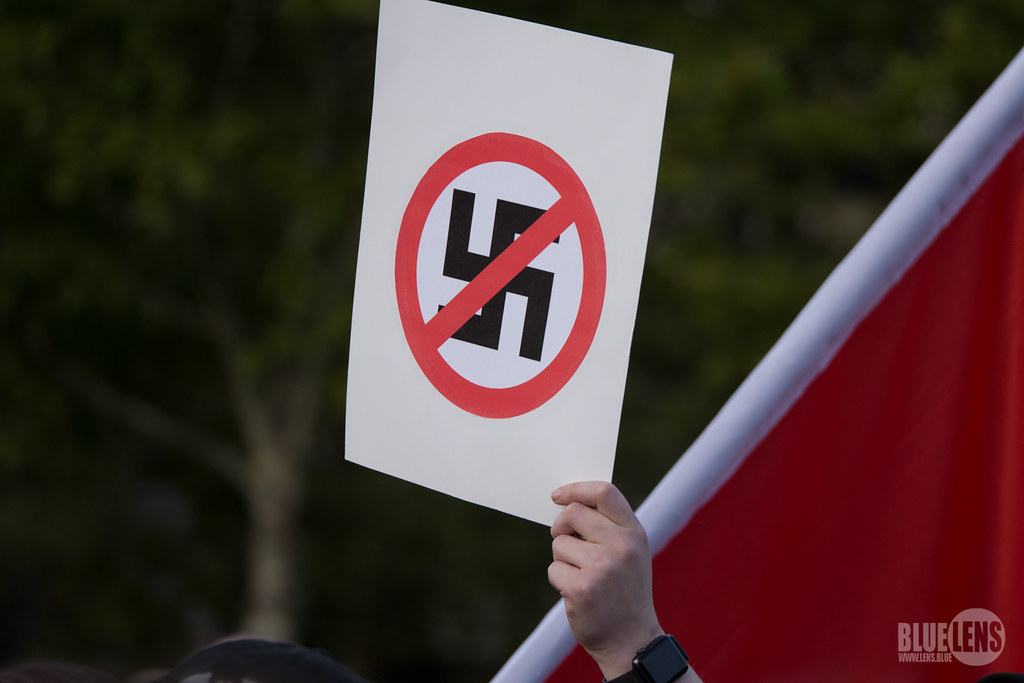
x=662, y=661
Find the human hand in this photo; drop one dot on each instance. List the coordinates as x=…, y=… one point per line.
x=602, y=568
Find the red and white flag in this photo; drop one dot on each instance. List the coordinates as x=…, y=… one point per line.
x=855, y=512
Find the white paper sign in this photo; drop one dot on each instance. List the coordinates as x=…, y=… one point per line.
x=508, y=198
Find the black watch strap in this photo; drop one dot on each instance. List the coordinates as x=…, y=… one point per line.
x=661, y=661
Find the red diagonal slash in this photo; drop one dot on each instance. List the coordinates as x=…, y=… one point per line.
x=499, y=273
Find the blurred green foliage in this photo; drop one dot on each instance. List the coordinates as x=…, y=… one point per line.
x=156, y=156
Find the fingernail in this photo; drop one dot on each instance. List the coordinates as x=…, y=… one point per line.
x=556, y=494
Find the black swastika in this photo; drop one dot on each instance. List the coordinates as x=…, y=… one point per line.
x=484, y=328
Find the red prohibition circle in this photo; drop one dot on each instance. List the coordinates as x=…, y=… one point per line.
x=574, y=207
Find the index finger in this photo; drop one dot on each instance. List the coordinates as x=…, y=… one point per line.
x=600, y=495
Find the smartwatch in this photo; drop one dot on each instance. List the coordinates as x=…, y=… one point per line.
x=662, y=661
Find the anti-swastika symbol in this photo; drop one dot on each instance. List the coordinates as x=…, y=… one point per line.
x=499, y=274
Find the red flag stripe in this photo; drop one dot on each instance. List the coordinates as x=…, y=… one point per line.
x=752, y=416
x=889, y=492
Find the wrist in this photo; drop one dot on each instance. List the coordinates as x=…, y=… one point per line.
x=662, y=660
x=618, y=659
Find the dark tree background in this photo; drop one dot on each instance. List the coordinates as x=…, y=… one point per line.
x=180, y=190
